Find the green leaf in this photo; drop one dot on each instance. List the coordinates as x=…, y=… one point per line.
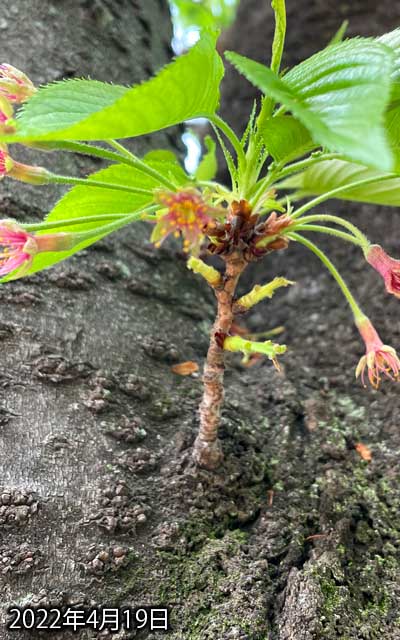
x=286, y=138
x=160, y=155
x=89, y=110
x=331, y=174
x=280, y=31
x=208, y=166
x=85, y=201
x=167, y=163
x=392, y=40
x=340, y=33
x=60, y=105
x=393, y=135
x=339, y=94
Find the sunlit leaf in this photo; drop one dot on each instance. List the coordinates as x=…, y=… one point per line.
x=331, y=174
x=89, y=110
x=286, y=138
x=339, y=94
x=85, y=201
x=392, y=40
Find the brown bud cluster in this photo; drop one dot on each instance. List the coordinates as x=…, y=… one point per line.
x=244, y=231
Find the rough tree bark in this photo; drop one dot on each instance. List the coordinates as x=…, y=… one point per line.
x=296, y=537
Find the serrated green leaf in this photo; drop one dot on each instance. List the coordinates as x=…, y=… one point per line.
x=166, y=163
x=392, y=40
x=339, y=94
x=208, y=166
x=85, y=201
x=185, y=89
x=286, y=138
x=60, y=105
x=393, y=135
x=331, y=174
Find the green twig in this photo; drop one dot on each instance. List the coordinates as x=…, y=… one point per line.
x=337, y=220
x=331, y=267
x=329, y=231
x=55, y=179
x=85, y=220
x=334, y=192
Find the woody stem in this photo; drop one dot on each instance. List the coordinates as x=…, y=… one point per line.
x=207, y=450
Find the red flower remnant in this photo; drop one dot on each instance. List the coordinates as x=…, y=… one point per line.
x=6, y=163
x=388, y=267
x=7, y=125
x=15, y=86
x=186, y=213
x=379, y=358
x=18, y=247
x=20, y=171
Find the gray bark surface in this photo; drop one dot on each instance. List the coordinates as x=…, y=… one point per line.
x=296, y=537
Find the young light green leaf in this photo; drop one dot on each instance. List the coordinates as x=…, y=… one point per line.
x=61, y=105
x=339, y=94
x=279, y=35
x=208, y=167
x=332, y=174
x=230, y=163
x=392, y=40
x=160, y=155
x=340, y=33
x=393, y=135
x=88, y=110
x=286, y=139
x=167, y=163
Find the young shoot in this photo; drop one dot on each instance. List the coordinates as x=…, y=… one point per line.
x=328, y=128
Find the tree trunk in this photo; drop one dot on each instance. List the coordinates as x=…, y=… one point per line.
x=331, y=535
x=295, y=537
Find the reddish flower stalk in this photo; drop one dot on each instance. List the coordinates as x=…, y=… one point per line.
x=388, y=267
x=19, y=171
x=379, y=358
x=232, y=233
x=207, y=448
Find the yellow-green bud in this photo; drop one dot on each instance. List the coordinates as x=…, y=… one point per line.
x=248, y=347
x=260, y=292
x=210, y=274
